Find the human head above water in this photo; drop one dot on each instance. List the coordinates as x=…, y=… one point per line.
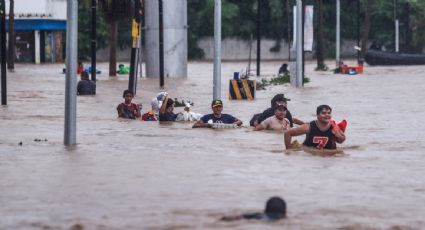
x=279, y=108
x=217, y=103
x=127, y=91
x=279, y=98
x=320, y=108
x=275, y=208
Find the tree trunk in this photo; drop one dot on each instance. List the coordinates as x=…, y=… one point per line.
x=366, y=28
x=113, y=48
x=11, y=51
x=320, y=38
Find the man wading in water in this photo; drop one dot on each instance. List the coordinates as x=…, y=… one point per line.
x=321, y=134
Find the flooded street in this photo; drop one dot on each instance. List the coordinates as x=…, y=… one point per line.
x=129, y=174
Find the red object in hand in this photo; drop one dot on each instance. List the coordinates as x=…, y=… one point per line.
x=334, y=126
x=341, y=125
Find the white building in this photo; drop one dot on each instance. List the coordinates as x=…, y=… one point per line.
x=39, y=27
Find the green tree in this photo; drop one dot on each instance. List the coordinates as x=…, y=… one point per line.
x=320, y=47
x=366, y=28
x=417, y=23
x=84, y=30
x=114, y=11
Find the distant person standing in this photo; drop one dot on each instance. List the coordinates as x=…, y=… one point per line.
x=80, y=67
x=320, y=134
x=284, y=69
x=127, y=109
x=85, y=86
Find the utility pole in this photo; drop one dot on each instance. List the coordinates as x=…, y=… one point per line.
x=299, y=44
x=358, y=30
x=3, y=52
x=161, y=44
x=93, y=40
x=12, y=39
x=70, y=137
x=217, y=50
x=338, y=32
x=135, y=33
x=258, y=36
x=396, y=24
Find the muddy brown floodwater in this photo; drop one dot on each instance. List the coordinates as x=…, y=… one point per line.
x=144, y=175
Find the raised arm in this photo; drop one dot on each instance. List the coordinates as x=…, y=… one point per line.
x=164, y=105
x=303, y=129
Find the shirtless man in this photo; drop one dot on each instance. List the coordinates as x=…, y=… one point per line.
x=275, y=122
x=278, y=99
x=320, y=133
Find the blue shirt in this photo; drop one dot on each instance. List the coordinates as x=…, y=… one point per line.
x=224, y=118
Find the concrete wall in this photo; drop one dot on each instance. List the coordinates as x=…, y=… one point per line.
x=237, y=49
x=39, y=9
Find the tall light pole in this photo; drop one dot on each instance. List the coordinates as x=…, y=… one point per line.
x=93, y=40
x=161, y=44
x=299, y=45
x=338, y=32
x=217, y=50
x=135, y=34
x=258, y=36
x=3, y=52
x=70, y=137
x=396, y=24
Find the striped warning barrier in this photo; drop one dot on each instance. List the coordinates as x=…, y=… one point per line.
x=242, y=89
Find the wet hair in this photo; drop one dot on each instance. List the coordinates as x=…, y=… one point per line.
x=279, y=107
x=320, y=108
x=278, y=97
x=170, y=102
x=127, y=91
x=275, y=208
x=84, y=75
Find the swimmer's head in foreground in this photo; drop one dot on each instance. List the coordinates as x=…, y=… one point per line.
x=275, y=210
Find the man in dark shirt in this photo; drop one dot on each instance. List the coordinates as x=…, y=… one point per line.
x=216, y=117
x=320, y=134
x=85, y=86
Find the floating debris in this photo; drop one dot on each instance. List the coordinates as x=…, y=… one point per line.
x=40, y=140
